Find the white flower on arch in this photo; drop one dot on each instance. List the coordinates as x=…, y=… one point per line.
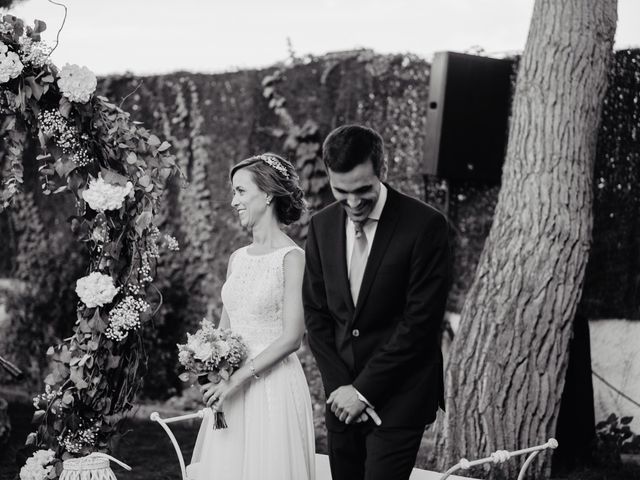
x=96, y=289
x=102, y=196
x=77, y=83
x=10, y=64
x=37, y=467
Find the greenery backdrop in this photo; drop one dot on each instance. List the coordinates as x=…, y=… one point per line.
x=213, y=121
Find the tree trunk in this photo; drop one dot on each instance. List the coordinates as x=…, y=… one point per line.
x=507, y=364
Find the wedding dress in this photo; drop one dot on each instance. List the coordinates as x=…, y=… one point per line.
x=270, y=434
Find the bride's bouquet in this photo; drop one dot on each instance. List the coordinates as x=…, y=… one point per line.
x=211, y=355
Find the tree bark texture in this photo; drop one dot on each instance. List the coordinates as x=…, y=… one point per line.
x=507, y=364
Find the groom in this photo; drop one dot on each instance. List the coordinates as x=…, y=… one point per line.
x=374, y=293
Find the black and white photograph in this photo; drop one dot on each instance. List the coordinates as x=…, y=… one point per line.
x=329, y=240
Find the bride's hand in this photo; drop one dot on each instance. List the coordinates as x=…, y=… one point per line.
x=215, y=393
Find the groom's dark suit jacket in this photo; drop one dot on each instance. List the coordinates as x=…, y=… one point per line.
x=387, y=345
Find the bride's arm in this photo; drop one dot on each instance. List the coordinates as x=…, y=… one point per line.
x=224, y=317
x=283, y=346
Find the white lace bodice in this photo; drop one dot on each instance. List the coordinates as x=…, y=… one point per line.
x=253, y=296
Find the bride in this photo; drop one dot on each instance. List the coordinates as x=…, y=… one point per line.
x=266, y=402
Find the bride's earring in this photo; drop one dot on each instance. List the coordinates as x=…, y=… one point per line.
x=268, y=201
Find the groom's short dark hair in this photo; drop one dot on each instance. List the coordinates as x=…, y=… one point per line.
x=350, y=145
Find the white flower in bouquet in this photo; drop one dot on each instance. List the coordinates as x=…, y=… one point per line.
x=102, y=196
x=77, y=83
x=201, y=348
x=211, y=354
x=207, y=349
x=207, y=328
x=237, y=349
x=10, y=64
x=96, y=289
x=36, y=467
x=184, y=357
x=223, y=348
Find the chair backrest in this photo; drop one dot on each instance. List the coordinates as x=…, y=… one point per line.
x=501, y=456
x=155, y=417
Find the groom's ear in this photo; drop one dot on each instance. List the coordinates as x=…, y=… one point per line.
x=384, y=169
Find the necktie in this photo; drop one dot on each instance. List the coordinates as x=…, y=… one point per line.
x=358, y=261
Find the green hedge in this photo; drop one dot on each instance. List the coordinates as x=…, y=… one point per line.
x=612, y=284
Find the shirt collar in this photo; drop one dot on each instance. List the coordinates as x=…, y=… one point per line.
x=376, y=213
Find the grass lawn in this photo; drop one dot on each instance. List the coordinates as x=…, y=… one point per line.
x=147, y=449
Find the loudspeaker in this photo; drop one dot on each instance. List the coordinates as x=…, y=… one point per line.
x=467, y=117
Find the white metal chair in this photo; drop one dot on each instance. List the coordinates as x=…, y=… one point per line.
x=501, y=456
x=322, y=461
x=155, y=417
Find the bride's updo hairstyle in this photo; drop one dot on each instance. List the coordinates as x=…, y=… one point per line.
x=276, y=176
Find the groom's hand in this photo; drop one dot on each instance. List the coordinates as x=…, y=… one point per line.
x=345, y=404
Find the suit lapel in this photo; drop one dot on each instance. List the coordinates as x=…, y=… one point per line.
x=384, y=232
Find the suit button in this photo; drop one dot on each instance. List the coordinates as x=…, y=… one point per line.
x=355, y=332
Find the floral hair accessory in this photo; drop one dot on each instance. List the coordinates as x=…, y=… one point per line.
x=274, y=163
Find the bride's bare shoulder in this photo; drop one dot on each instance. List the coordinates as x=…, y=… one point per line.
x=294, y=260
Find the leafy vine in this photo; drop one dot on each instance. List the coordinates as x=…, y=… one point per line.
x=116, y=171
x=303, y=144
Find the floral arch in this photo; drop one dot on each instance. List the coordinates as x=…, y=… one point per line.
x=116, y=171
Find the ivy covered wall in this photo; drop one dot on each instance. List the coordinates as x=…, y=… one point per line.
x=214, y=121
